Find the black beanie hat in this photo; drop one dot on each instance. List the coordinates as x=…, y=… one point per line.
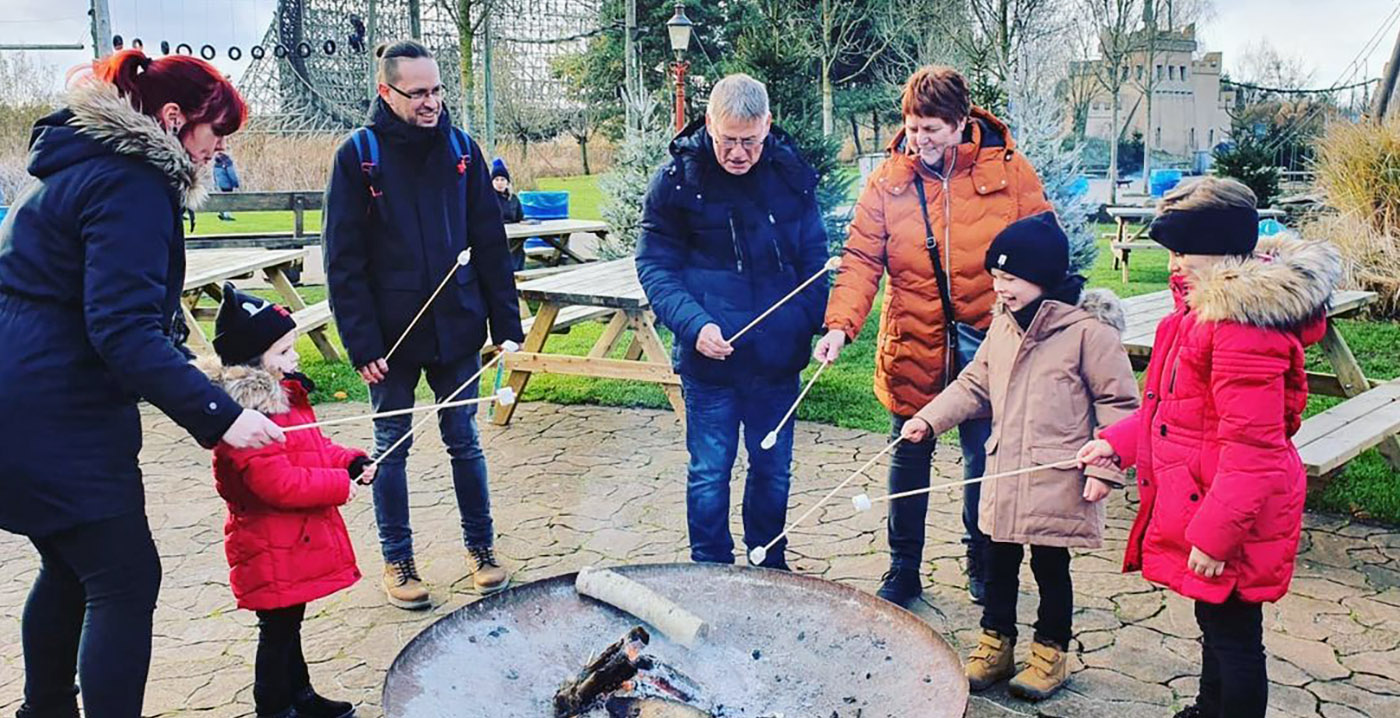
x=1033, y=248
x=498, y=169
x=246, y=326
x=1217, y=231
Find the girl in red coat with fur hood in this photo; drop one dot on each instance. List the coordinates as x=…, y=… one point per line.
x=286, y=542
x=1221, y=483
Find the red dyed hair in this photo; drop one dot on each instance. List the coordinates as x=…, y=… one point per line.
x=937, y=91
x=200, y=91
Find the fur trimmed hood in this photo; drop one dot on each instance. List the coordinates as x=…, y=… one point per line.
x=102, y=114
x=1285, y=284
x=251, y=387
x=1100, y=305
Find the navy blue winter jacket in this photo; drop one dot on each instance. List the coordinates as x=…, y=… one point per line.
x=720, y=248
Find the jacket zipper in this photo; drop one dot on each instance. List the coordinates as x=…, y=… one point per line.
x=946, y=175
x=734, y=237
x=777, y=248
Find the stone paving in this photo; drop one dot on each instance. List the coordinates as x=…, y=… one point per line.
x=578, y=486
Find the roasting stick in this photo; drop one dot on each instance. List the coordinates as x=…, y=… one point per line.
x=760, y=553
x=831, y=265
x=463, y=258
x=505, y=395
x=863, y=502
x=507, y=347
x=623, y=593
x=771, y=439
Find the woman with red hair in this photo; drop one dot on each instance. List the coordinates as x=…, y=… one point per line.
x=92, y=263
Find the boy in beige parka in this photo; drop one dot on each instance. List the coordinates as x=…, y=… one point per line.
x=1050, y=373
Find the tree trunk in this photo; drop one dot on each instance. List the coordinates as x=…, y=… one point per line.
x=875, y=129
x=465, y=46
x=828, y=98
x=583, y=152
x=1113, y=134
x=855, y=135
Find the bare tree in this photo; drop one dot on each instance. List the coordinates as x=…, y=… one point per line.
x=1262, y=64
x=845, y=38
x=1113, y=21
x=470, y=18
x=1003, y=31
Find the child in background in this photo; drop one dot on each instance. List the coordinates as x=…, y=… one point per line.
x=1050, y=372
x=511, y=211
x=1222, y=487
x=284, y=537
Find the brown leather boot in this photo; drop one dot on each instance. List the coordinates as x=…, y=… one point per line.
x=487, y=572
x=992, y=661
x=1046, y=671
x=404, y=587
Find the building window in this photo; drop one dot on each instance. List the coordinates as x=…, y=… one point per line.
x=1171, y=72
x=1159, y=72
x=1158, y=137
x=1193, y=138
x=1183, y=73
x=1125, y=73
x=1211, y=135
x=1139, y=72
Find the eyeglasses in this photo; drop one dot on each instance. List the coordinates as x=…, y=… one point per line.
x=419, y=95
x=748, y=143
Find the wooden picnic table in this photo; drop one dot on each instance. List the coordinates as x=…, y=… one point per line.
x=609, y=285
x=206, y=270
x=556, y=233
x=1370, y=404
x=1124, y=243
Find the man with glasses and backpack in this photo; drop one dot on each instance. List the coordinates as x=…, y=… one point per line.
x=408, y=194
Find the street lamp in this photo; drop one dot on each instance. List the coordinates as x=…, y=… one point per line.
x=678, y=29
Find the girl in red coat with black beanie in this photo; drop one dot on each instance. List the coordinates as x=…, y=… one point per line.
x=1221, y=484
x=286, y=542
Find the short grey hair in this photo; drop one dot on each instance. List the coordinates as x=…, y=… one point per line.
x=738, y=97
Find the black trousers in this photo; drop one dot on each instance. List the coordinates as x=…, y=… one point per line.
x=1050, y=565
x=280, y=671
x=89, y=616
x=1234, y=678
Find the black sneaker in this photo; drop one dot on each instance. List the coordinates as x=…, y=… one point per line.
x=901, y=586
x=309, y=704
x=1190, y=711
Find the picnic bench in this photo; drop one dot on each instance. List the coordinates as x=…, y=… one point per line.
x=555, y=233
x=295, y=202
x=1124, y=243
x=206, y=270
x=1369, y=418
x=596, y=290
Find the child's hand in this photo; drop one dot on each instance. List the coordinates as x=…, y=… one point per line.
x=915, y=430
x=353, y=490
x=1203, y=565
x=367, y=475
x=1095, y=490
x=1098, y=453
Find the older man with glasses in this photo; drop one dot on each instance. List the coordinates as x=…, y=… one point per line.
x=408, y=194
x=730, y=226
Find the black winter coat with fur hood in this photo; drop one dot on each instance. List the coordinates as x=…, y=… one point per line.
x=92, y=263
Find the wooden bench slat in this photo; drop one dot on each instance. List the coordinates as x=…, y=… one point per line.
x=313, y=317
x=1330, y=439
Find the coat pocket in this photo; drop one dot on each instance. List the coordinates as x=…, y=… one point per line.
x=1057, y=492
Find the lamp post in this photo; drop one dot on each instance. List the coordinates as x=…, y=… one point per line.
x=678, y=29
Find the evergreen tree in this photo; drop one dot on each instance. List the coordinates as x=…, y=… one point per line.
x=624, y=187
x=1037, y=122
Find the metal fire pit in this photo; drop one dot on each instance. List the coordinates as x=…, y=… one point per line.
x=780, y=644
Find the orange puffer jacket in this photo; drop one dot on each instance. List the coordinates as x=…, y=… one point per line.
x=990, y=186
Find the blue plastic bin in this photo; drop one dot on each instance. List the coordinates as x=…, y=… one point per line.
x=1270, y=227
x=545, y=205
x=1163, y=181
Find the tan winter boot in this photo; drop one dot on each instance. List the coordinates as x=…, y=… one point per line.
x=992, y=661
x=487, y=572
x=404, y=587
x=1046, y=671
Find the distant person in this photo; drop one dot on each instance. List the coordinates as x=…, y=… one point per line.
x=511, y=211
x=225, y=177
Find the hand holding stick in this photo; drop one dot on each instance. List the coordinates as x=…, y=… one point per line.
x=771, y=439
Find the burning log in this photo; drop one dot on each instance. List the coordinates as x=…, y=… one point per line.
x=617, y=665
x=614, y=589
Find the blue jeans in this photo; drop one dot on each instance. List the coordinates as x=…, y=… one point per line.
x=909, y=469
x=459, y=433
x=713, y=415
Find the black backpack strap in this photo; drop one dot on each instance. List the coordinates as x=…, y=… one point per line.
x=931, y=244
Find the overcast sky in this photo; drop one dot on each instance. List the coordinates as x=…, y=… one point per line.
x=1327, y=37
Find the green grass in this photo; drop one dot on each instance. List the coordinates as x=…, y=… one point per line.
x=253, y=223
x=844, y=397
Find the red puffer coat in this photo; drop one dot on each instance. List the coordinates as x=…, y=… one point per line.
x=1225, y=390
x=284, y=537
